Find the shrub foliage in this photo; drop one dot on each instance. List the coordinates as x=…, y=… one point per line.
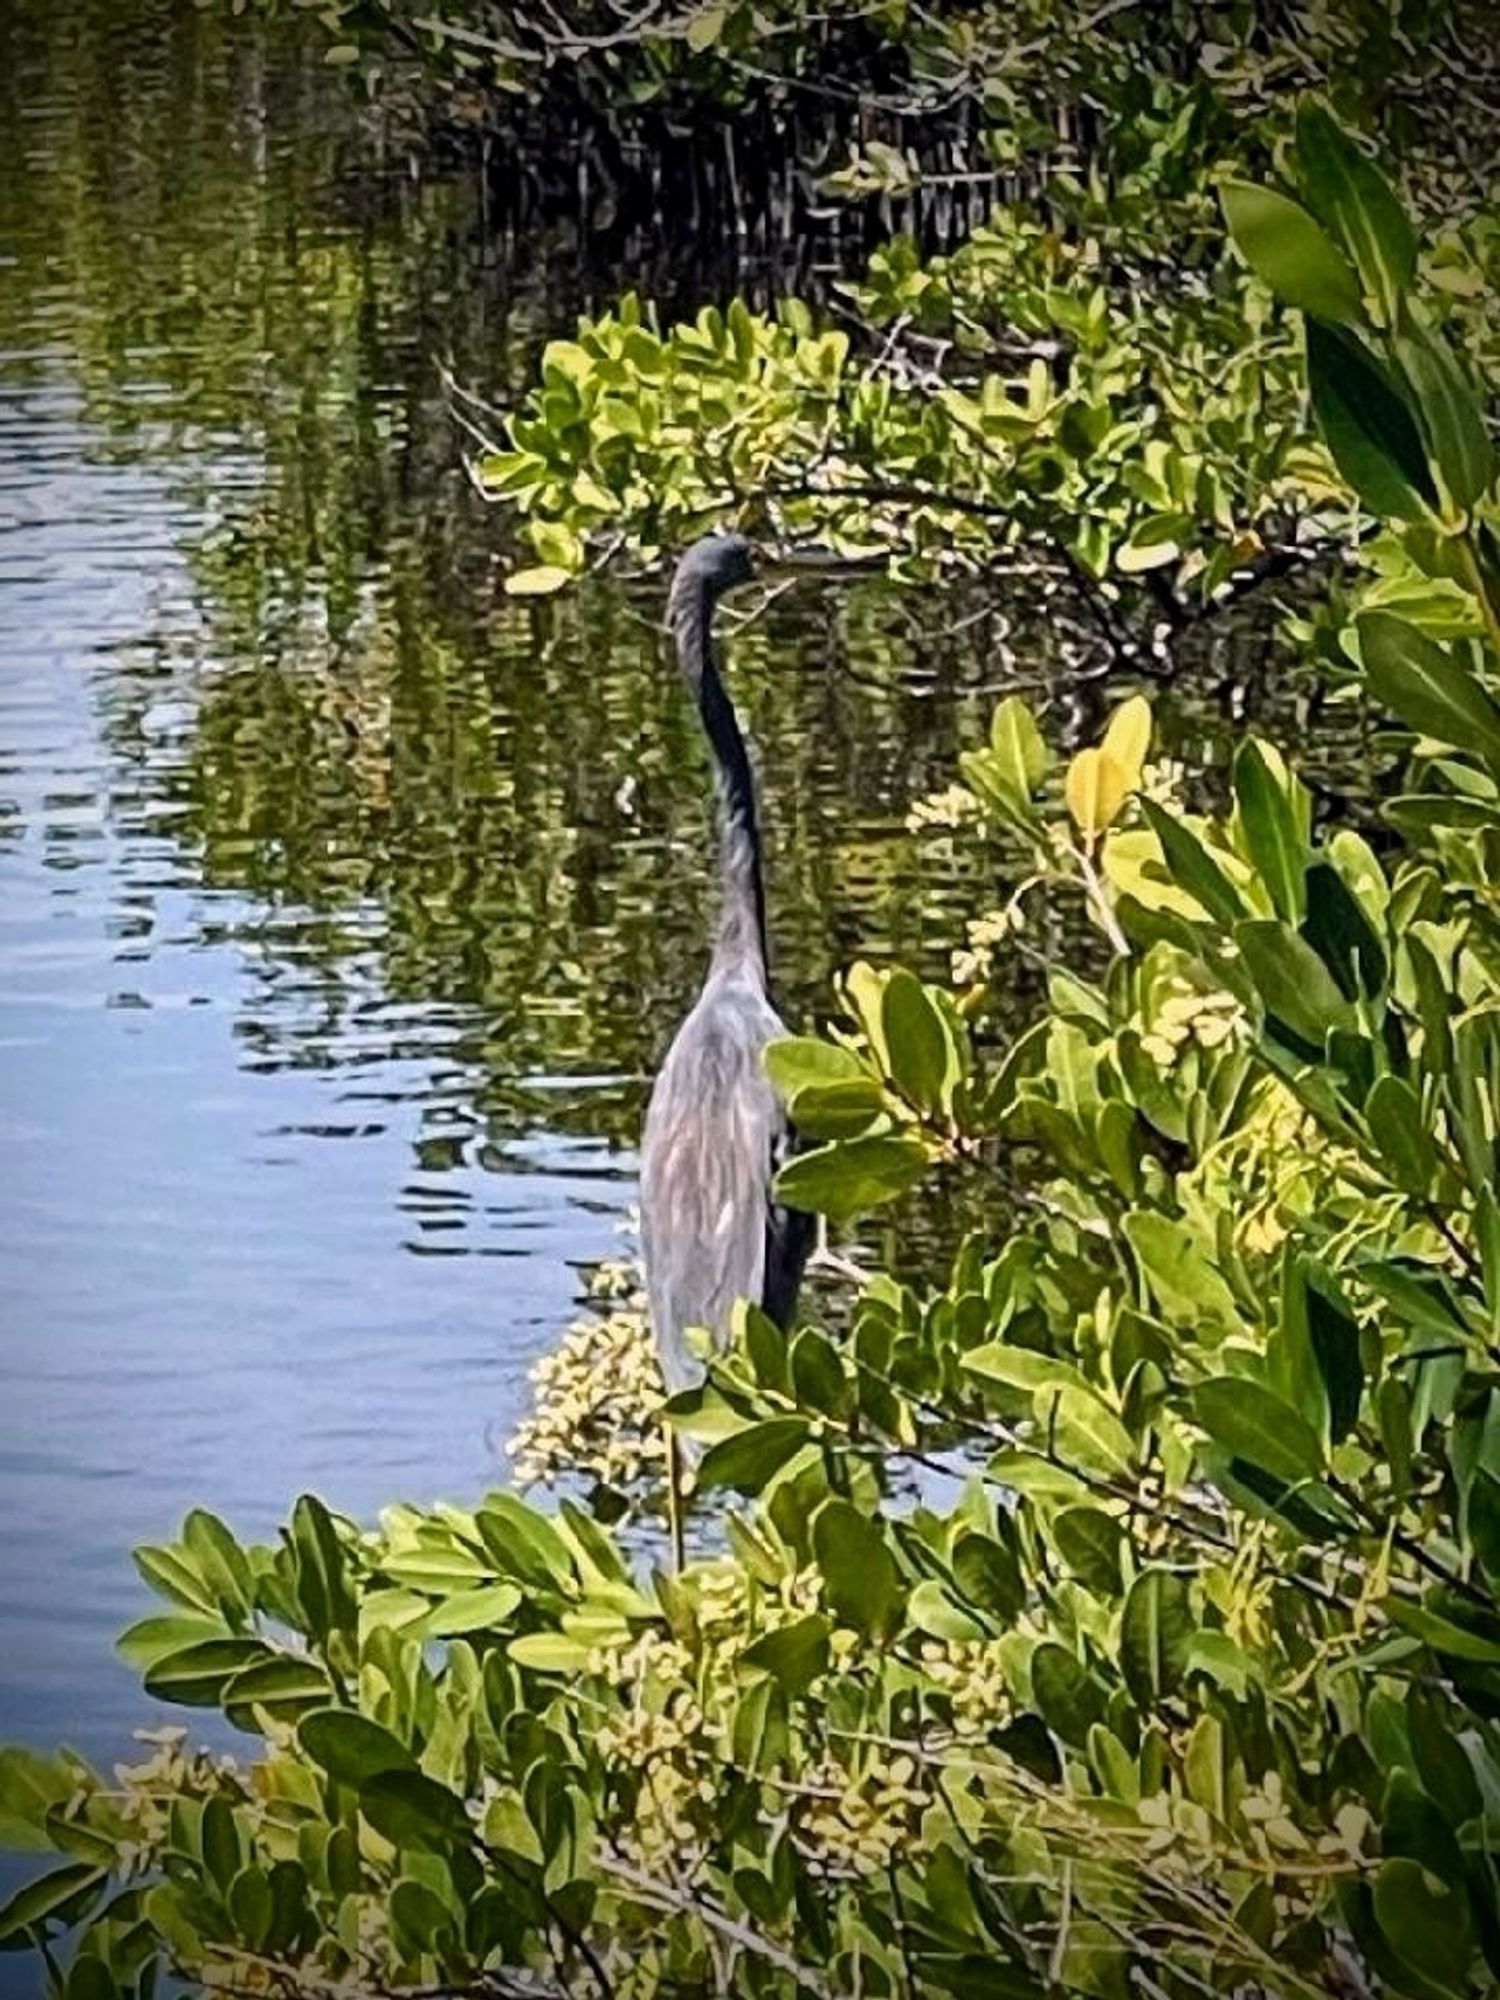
x=1115, y=1616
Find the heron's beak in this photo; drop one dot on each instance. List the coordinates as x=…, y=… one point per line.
x=782, y=564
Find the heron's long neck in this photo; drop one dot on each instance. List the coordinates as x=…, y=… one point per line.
x=741, y=942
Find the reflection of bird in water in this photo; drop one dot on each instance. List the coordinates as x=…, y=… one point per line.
x=715, y=1133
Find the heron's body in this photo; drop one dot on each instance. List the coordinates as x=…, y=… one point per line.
x=715, y=1133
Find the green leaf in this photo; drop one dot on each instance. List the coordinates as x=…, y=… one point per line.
x=58, y=1896
x=1341, y=934
x=1020, y=754
x=1089, y=1542
x=1426, y=687
x=1287, y=250
x=197, y=1675
x=1295, y=986
x=802, y=1062
x=414, y=1810
x=286, y=1684
x=150, y=1639
x=794, y=1655
x=1427, y=1926
x=859, y=1572
x=837, y=1110
x=1450, y=412
x=542, y=580
x=1334, y=1338
x=1156, y=1635
x=1070, y=1699
x=483, y=1610
x=852, y=1175
x=1368, y=426
x=352, y=1748
x=1272, y=834
x=1184, y=1283
x=1251, y=1423
x=934, y=1610
x=1080, y=1429
x=1400, y=1131
x=917, y=1040
x=1354, y=200
x=1022, y=1367
x=551, y=1652
x=747, y=1460
x=1191, y=866
x=1455, y=1642
x=988, y=1574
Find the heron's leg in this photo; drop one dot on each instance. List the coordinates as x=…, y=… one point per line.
x=674, y=1500
x=825, y=1259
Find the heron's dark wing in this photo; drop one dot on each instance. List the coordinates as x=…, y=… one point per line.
x=790, y=1233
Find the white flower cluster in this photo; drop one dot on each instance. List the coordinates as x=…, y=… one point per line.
x=974, y=964
x=597, y=1397
x=859, y=1825
x=951, y=808
x=1186, y=1014
x=971, y=1673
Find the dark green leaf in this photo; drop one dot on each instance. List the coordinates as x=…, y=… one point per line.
x=1088, y=1540
x=1069, y=1697
x=859, y=1572
x=1156, y=1635
x=413, y=1810
x=1341, y=934
x=793, y=1655
x=1293, y=982
x=1191, y=866
x=58, y=1896
x=1335, y=1345
x=1450, y=412
x=1368, y=426
x=1430, y=691
x=1428, y=1927
x=286, y=1684
x=352, y=1748
x=917, y=1041
x=1251, y=1423
x=196, y=1676
x=1353, y=199
x=1272, y=835
x=853, y=1175
x=747, y=1460
x=1399, y=1129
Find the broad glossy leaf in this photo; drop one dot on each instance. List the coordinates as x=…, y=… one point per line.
x=542, y=580
x=352, y=1748
x=1295, y=986
x=197, y=1675
x=1287, y=250
x=1020, y=753
x=1089, y=1542
x=473, y=1611
x=1082, y=1430
x=1449, y=410
x=1156, y=1635
x=1368, y=426
x=1454, y=1641
x=917, y=1041
x=1427, y=1926
x=1249, y=1421
x=802, y=1062
x=1427, y=687
x=1192, y=867
x=1400, y=1131
x=286, y=1685
x=1096, y=789
x=414, y=1810
x=1341, y=934
x=1184, y=1282
x=1271, y=830
x=859, y=1571
x=1353, y=199
x=1070, y=1698
x=60, y=1896
x=852, y=1175
x=748, y=1459
x=934, y=1610
x=793, y=1655
x=1128, y=737
x=551, y=1652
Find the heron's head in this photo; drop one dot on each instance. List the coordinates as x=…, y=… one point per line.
x=714, y=564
